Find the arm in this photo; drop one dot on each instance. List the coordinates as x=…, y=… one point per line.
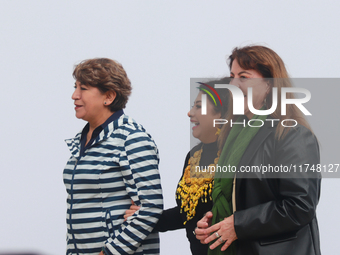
x=139, y=167
x=171, y=219
x=296, y=196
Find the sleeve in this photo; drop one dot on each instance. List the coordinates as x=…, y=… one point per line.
x=296, y=195
x=171, y=219
x=139, y=167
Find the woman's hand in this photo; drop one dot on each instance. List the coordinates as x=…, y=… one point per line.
x=223, y=231
x=131, y=211
x=202, y=225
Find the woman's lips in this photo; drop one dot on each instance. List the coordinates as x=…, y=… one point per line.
x=77, y=107
x=196, y=124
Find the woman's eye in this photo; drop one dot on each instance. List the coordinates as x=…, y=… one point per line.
x=198, y=106
x=243, y=78
x=83, y=88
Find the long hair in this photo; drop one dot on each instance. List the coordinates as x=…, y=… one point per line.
x=271, y=67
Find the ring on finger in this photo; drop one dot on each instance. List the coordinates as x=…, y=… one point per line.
x=221, y=240
x=217, y=234
x=194, y=232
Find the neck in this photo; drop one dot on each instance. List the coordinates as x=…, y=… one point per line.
x=209, y=140
x=97, y=122
x=93, y=124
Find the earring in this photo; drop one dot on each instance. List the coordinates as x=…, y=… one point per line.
x=218, y=131
x=104, y=102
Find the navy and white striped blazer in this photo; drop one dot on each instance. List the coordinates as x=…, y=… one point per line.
x=120, y=165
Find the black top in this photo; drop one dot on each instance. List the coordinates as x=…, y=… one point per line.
x=173, y=219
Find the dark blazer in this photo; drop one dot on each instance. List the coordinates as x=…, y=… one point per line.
x=278, y=215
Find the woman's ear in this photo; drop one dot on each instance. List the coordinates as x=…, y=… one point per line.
x=110, y=97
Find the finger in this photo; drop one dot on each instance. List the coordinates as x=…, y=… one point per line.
x=226, y=245
x=200, y=231
x=202, y=224
x=213, y=228
x=201, y=237
x=215, y=244
x=211, y=238
x=134, y=207
x=202, y=242
x=129, y=212
x=127, y=216
x=132, y=202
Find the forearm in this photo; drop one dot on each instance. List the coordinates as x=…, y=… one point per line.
x=139, y=168
x=170, y=220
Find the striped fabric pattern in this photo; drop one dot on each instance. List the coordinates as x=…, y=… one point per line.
x=120, y=165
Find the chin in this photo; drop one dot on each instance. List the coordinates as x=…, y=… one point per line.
x=195, y=135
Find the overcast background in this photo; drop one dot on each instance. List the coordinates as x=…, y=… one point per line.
x=161, y=44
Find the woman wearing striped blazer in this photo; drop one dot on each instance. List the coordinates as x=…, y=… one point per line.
x=113, y=161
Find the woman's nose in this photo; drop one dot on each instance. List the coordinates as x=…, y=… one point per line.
x=235, y=82
x=76, y=94
x=190, y=113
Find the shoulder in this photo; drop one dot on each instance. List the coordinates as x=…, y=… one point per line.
x=298, y=135
x=127, y=127
x=134, y=134
x=297, y=140
x=298, y=147
x=270, y=128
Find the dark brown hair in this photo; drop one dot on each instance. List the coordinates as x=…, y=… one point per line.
x=223, y=93
x=106, y=75
x=269, y=65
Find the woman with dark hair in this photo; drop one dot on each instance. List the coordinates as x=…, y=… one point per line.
x=193, y=194
x=259, y=214
x=114, y=160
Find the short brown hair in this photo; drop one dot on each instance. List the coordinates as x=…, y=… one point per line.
x=106, y=75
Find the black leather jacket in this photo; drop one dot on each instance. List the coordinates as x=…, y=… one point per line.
x=278, y=215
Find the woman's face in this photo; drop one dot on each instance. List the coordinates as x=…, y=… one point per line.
x=203, y=128
x=89, y=104
x=243, y=79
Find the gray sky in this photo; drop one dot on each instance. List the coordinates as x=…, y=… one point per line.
x=161, y=44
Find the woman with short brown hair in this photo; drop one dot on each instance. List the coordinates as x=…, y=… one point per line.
x=113, y=161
